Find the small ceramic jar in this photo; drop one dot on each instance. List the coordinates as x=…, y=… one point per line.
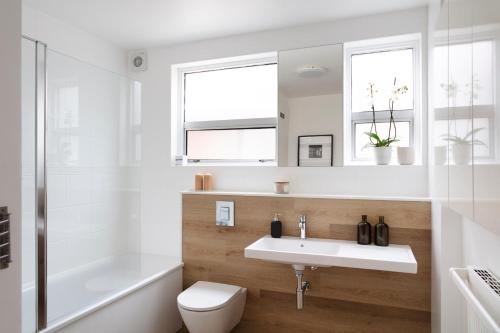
x=281, y=187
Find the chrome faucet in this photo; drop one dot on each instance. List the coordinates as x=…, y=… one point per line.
x=302, y=226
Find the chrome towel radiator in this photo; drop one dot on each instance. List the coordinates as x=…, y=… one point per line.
x=4, y=238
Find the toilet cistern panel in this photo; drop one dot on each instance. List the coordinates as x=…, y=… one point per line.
x=224, y=213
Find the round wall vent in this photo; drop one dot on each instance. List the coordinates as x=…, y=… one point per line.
x=137, y=60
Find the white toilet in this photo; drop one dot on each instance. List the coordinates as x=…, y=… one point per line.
x=208, y=307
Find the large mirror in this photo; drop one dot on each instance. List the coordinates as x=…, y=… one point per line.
x=310, y=106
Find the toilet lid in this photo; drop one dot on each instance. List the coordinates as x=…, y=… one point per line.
x=207, y=296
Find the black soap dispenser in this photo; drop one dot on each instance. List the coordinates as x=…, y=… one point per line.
x=381, y=233
x=364, y=231
x=276, y=227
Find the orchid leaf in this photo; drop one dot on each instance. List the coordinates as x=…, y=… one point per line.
x=378, y=141
x=467, y=139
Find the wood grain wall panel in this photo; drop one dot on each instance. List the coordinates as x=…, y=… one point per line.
x=337, y=295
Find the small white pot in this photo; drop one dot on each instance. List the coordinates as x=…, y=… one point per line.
x=406, y=155
x=462, y=154
x=382, y=155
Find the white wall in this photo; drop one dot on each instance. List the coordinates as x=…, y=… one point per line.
x=283, y=130
x=315, y=115
x=447, y=251
x=466, y=210
x=480, y=246
x=65, y=38
x=10, y=158
x=162, y=183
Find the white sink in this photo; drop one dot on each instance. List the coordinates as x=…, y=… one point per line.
x=329, y=252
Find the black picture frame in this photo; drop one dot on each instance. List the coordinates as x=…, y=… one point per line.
x=316, y=148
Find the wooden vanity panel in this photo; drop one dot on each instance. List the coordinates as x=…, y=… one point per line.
x=401, y=301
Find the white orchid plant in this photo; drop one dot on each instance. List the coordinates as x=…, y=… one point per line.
x=375, y=139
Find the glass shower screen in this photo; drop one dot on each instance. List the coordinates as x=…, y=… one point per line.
x=93, y=186
x=85, y=125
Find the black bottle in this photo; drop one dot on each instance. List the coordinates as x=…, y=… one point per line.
x=276, y=227
x=364, y=231
x=381, y=233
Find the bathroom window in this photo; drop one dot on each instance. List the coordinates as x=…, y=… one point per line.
x=226, y=111
x=372, y=70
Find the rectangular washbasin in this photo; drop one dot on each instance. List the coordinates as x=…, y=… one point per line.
x=331, y=252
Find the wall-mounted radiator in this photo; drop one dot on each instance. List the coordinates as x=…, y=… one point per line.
x=481, y=290
x=4, y=238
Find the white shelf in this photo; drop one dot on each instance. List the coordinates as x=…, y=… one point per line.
x=305, y=195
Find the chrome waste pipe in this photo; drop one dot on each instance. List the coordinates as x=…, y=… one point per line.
x=302, y=287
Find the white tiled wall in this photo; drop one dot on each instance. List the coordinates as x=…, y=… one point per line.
x=93, y=185
x=93, y=190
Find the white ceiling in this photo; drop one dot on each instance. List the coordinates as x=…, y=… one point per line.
x=329, y=57
x=145, y=23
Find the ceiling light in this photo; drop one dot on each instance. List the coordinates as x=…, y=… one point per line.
x=311, y=71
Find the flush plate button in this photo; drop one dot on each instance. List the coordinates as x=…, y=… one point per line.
x=224, y=213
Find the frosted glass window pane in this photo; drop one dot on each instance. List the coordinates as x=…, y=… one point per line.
x=441, y=77
x=483, y=75
x=234, y=93
x=237, y=144
x=456, y=89
x=363, y=152
x=381, y=68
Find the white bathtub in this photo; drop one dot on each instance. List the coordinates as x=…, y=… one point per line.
x=128, y=293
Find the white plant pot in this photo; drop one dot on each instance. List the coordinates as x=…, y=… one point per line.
x=382, y=155
x=406, y=155
x=440, y=155
x=462, y=154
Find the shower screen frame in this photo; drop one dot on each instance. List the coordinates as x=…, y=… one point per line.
x=40, y=181
x=41, y=184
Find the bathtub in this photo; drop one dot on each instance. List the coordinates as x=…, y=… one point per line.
x=129, y=293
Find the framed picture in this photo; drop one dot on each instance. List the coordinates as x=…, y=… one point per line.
x=315, y=150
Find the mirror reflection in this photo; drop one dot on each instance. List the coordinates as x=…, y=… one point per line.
x=310, y=106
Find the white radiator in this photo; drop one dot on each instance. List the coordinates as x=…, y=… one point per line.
x=481, y=290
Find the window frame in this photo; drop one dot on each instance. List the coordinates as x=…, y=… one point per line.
x=180, y=127
x=413, y=116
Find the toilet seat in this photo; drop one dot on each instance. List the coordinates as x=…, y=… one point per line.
x=207, y=296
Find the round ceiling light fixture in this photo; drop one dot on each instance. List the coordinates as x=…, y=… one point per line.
x=311, y=71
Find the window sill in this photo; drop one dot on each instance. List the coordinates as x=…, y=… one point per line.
x=372, y=164
x=249, y=164
x=225, y=164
